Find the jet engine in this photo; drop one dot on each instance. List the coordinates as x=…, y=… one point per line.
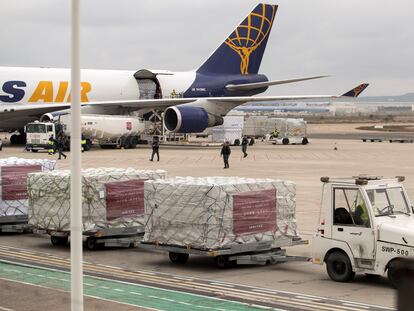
x=187, y=119
x=51, y=116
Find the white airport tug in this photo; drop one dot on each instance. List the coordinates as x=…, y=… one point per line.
x=366, y=226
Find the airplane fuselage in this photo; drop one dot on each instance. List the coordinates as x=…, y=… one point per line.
x=34, y=86
x=52, y=85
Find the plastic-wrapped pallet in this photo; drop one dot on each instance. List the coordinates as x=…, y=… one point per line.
x=217, y=212
x=289, y=127
x=13, y=183
x=112, y=198
x=296, y=128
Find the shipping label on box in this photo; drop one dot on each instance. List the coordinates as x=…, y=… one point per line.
x=14, y=181
x=124, y=198
x=254, y=212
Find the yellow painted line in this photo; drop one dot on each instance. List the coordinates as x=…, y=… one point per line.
x=200, y=286
x=190, y=285
x=46, y=260
x=94, y=268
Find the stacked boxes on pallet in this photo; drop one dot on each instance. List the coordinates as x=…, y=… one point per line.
x=112, y=198
x=218, y=212
x=13, y=183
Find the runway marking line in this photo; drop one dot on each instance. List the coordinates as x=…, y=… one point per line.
x=352, y=305
x=280, y=301
x=237, y=293
x=271, y=299
x=309, y=298
x=242, y=293
x=146, y=291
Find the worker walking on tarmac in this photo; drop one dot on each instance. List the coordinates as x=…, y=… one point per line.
x=225, y=152
x=60, y=148
x=244, y=144
x=52, y=145
x=83, y=143
x=155, y=148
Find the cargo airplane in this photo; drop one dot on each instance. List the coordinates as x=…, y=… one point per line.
x=192, y=101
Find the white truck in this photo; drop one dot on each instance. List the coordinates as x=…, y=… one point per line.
x=106, y=130
x=290, y=131
x=366, y=225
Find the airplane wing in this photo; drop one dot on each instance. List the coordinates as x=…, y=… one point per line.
x=167, y=102
x=259, y=85
x=13, y=111
x=355, y=92
x=14, y=116
x=9, y=114
x=144, y=103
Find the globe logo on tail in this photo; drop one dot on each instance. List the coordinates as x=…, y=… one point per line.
x=358, y=90
x=251, y=33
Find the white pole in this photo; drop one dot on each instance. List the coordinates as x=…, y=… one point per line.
x=75, y=180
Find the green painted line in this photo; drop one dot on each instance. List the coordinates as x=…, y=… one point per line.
x=121, y=292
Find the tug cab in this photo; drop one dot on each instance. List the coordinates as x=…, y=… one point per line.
x=366, y=225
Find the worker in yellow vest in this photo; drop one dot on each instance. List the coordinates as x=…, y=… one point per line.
x=275, y=133
x=361, y=215
x=83, y=144
x=52, y=145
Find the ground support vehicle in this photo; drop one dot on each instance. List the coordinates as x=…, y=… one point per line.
x=259, y=253
x=366, y=226
x=38, y=136
x=289, y=131
x=105, y=237
x=372, y=139
x=290, y=141
x=401, y=140
x=106, y=130
x=15, y=224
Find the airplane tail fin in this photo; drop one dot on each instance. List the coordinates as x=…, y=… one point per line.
x=242, y=51
x=355, y=92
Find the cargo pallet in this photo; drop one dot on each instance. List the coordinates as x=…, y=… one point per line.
x=401, y=140
x=106, y=237
x=392, y=140
x=15, y=224
x=258, y=253
x=372, y=139
x=290, y=141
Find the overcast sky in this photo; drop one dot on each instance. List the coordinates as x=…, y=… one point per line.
x=352, y=40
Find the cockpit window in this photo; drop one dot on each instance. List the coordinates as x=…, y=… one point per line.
x=36, y=128
x=388, y=201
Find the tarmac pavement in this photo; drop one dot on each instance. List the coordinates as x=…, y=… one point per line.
x=301, y=164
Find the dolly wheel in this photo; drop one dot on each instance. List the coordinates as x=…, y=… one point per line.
x=339, y=267
x=58, y=240
x=394, y=276
x=222, y=262
x=178, y=257
x=91, y=244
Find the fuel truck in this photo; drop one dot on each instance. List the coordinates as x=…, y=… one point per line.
x=108, y=131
